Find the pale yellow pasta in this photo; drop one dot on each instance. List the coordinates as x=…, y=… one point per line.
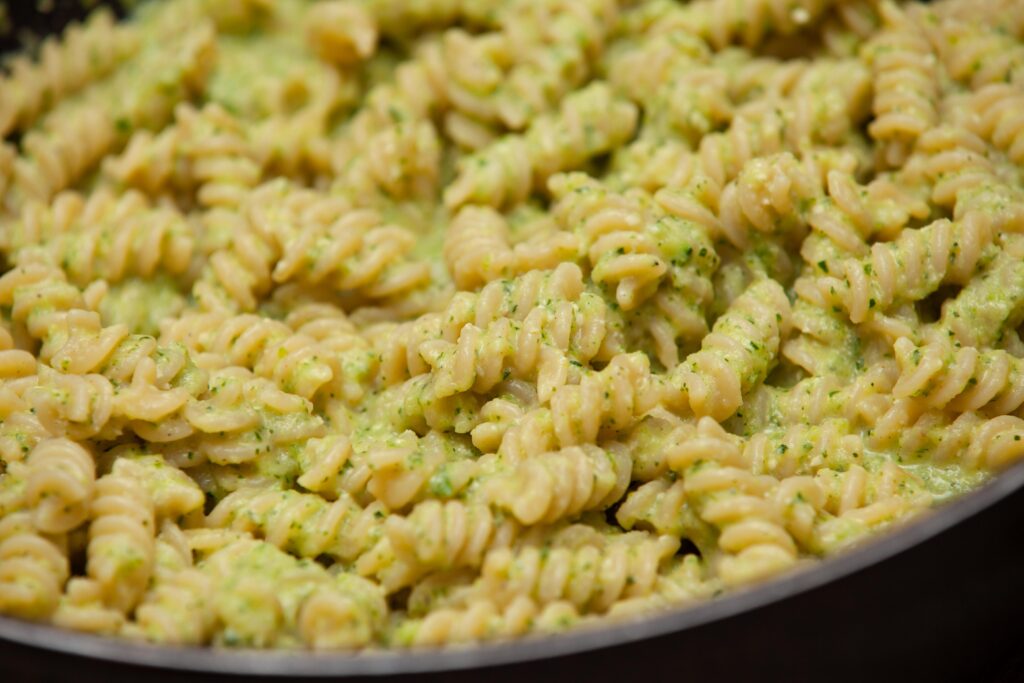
x=592, y=570
x=590, y=122
x=269, y=347
x=548, y=487
x=367, y=324
x=303, y=523
x=748, y=22
x=546, y=347
x=738, y=353
x=909, y=268
x=121, y=540
x=906, y=84
x=33, y=570
x=60, y=484
x=998, y=109
x=988, y=308
x=438, y=536
x=399, y=348
x=482, y=620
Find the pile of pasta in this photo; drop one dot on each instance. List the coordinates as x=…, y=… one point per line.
x=378, y=323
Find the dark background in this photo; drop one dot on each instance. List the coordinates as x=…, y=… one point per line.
x=27, y=18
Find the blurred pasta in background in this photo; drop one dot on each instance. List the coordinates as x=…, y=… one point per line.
x=362, y=323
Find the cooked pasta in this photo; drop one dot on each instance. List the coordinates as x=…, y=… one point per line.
x=368, y=324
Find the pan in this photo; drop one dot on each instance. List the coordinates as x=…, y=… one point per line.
x=939, y=599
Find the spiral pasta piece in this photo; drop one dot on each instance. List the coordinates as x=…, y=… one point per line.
x=561, y=484
x=849, y=26
x=843, y=223
x=175, y=495
x=149, y=162
x=846, y=219
x=476, y=247
x=750, y=22
x=358, y=253
x=33, y=568
x=753, y=539
x=665, y=54
x=607, y=401
x=219, y=157
x=308, y=606
x=353, y=361
x=82, y=608
x=441, y=536
x=756, y=130
x=514, y=299
x=590, y=122
x=906, y=87
x=997, y=443
x=964, y=378
x=738, y=353
x=40, y=298
x=401, y=160
x=237, y=419
x=341, y=33
x=861, y=500
x=355, y=251
x=295, y=362
x=547, y=346
x=659, y=506
x=500, y=413
x=414, y=405
x=302, y=523
x=973, y=441
x=144, y=244
x=72, y=406
x=990, y=306
x=408, y=468
x=909, y=268
x=998, y=118
x=325, y=467
x=391, y=147
x=160, y=380
x=482, y=620
x=631, y=247
x=771, y=194
x=506, y=77
x=121, y=540
x=176, y=608
x=592, y=573
x=39, y=222
x=976, y=53
x=60, y=154
x=563, y=41
x=954, y=160
x=14, y=362
x=60, y=484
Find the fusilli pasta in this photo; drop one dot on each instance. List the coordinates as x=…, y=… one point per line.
x=367, y=324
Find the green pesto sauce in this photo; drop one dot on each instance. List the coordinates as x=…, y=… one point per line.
x=142, y=304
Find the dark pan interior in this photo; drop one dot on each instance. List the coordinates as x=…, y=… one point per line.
x=939, y=599
x=26, y=19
